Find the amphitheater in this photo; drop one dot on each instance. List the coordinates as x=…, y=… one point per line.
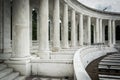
x=58, y=42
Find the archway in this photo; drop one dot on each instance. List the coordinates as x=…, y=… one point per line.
x=92, y=34
x=34, y=24
x=106, y=33
x=117, y=33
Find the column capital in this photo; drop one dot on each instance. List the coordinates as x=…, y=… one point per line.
x=109, y=19
x=88, y=16
x=80, y=14
x=114, y=20
x=73, y=9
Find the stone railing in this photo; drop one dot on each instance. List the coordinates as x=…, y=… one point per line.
x=84, y=56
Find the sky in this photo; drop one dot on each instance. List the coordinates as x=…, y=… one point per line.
x=111, y=5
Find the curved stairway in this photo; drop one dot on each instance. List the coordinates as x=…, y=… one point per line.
x=7, y=73
x=109, y=67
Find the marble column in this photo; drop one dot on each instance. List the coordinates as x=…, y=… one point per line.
x=95, y=37
x=101, y=31
x=109, y=32
x=85, y=32
x=114, y=32
x=97, y=30
x=73, y=29
x=65, y=27
x=56, y=26
x=43, y=30
x=5, y=28
x=31, y=26
x=81, y=32
x=89, y=29
x=20, y=59
x=1, y=28
x=21, y=34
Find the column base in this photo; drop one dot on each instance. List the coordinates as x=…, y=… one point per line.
x=21, y=65
x=65, y=47
x=111, y=45
x=5, y=56
x=44, y=54
x=55, y=49
x=7, y=50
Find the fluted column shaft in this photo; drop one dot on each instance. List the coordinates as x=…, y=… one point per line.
x=56, y=25
x=89, y=30
x=81, y=32
x=5, y=26
x=73, y=29
x=114, y=32
x=101, y=31
x=97, y=30
x=21, y=34
x=1, y=30
x=95, y=37
x=65, y=27
x=109, y=32
x=43, y=28
x=103, y=34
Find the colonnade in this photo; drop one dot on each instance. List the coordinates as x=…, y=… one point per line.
x=21, y=28
x=62, y=14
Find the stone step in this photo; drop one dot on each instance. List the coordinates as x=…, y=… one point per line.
x=109, y=67
x=5, y=72
x=110, y=63
x=20, y=78
x=116, y=61
x=108, y=58
x=117, y=54
x=107, y=77
x=113, y=57
x=11, y=76
x=2, y=66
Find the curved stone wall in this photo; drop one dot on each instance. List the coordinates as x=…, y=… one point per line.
x=80, y=8
x=86, y=55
